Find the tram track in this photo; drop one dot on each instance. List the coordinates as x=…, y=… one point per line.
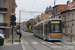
x=38, y=40
x=44, y=44
x=30, y=43
x=53, y=43
x=63, y=46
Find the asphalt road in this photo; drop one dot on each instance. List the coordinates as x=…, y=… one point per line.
x=31, y=42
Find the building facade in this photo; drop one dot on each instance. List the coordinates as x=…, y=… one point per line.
x=70, y=22
x=68, y=16
x=5, y=15
x=56, y=10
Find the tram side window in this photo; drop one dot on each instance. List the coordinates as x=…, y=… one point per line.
x=46, y=28
x=42, y=28
x=38, y=29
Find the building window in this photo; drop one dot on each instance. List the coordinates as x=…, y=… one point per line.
x=73, y=16
x=68, y=30
x=1, y=18
x=59, y=17
x=68, y=16
x=63, y=18
x=56, y=10
x=63, y=25
x=72, y=29
x=1, y=3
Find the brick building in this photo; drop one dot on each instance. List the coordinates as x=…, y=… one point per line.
x=5, y=15
x=56, y=9
x=68, y=15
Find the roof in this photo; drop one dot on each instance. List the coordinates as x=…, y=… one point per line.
x=59, y=5
x=46, y=21
x=66, y=8
x=72, y=6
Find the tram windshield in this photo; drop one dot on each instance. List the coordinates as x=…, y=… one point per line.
x=56, y=28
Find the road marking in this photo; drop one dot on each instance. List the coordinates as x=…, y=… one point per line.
x=73, y=42
x=26, y=43
x=23, y=47
x=68, y=42
x=49, y=43
x=43, y=42
x=58, y=43
x=34, y=42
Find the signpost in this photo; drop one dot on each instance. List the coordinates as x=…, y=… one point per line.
x=12, y=19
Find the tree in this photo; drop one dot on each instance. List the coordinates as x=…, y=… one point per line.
x=28, y=24
x=38, y=18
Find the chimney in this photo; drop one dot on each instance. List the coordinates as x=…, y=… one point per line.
x=69, y=2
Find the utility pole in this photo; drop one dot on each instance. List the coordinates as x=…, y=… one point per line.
x=10, y=15
x=19, y=21
x=54, y=8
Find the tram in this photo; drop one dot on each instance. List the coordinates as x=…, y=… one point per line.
x=49, y=29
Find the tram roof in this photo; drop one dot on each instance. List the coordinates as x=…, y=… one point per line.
x=46, y=21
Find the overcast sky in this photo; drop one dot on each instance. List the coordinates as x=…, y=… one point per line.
x=34, y=5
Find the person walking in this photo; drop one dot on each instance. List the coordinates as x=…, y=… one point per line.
x=19, y=33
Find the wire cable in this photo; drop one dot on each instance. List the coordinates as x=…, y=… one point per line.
x=33, y=4
x=43, y=6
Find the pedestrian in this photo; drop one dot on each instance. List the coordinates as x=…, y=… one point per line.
x=19, y=33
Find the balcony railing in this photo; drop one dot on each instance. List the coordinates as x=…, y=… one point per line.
x=3, y=24
x=3, y=10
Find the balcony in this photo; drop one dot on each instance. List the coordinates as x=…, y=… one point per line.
x=3, y=10
x=3, y=24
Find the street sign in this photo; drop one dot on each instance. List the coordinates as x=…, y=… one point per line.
x=12, y=18
x=12, y=23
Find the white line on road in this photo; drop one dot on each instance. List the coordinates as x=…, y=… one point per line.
x=34, y=42
x=26, y=43
x=73, y=42
x=58, y=43
x=43, y=42
x=23, y=47
x=68, y=42
x=49, y=43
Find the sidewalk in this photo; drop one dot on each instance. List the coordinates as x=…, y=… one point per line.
x=14, y=47
x=68, y=38
x=15, y=37
x=9, y=45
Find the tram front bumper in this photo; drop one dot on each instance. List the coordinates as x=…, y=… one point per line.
x=54, y=38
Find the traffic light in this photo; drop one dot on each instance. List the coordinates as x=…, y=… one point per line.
x=13, y=19
x=12, y=23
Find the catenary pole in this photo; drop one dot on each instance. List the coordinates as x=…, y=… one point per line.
x=54, y=8
x=19, y=21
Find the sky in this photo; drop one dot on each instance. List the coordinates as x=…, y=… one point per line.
x=27, y=6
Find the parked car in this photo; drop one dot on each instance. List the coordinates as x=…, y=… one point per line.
x=31, y=31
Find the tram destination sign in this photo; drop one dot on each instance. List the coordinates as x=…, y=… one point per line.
x=55, y=21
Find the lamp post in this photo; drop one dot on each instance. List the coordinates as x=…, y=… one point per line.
x=20, y=20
